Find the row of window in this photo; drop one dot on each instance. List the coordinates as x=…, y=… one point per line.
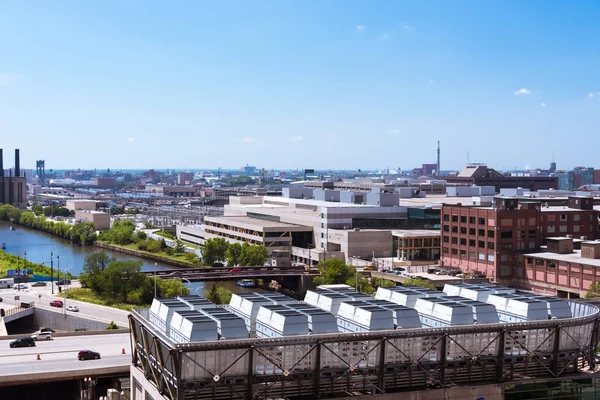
x=463, y=219
x=471, y=254
x=472, y=242
x=472, y=231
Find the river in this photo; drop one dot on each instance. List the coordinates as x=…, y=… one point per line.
x=38, y=245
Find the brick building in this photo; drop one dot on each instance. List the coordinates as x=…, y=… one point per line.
x=491, y=240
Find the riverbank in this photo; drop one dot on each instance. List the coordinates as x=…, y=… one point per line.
x=11, y=262
x=177, y=261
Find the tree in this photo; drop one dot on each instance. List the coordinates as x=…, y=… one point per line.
x=120, y=233
x=84, y=233
x=37, y=209
x=253, y=255
x=179, y=247
x=218, y=295
x=418, y=282
x=334, y=271
x=214, y=251
x=233, y=253
x=116, y=210
x=93, y=266
x=122, y=277
x=170, y=287
x=594, y=291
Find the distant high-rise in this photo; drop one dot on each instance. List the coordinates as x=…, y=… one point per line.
x=552, y=167
x=437, y=173
x=13, y=189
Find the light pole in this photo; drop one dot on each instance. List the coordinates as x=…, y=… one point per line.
x=182, y=285
x=58, y=272
x=52, y=271
x=67, y=291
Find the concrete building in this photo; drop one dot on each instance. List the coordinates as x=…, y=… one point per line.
x=79, y=204
x=13, y=185
x=489, y=240
x=105, y=182
x=417, y=245
x=100, y=219
x=185, y=178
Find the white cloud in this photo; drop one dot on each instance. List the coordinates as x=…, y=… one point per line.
x=590, y=95
x=10, y=80
x=542, y=104
x=360, y=28
x=131, y=139
x=522, y=91
x=297, y=138
x=248, y=139
x=394, y=132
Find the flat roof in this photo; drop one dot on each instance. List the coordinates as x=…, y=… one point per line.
x=406, y=233
x=574, y=257
x=258, y=224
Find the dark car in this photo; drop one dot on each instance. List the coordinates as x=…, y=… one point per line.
x=56, y=303
x=47, y=330
x=39, y=284
x=63, y=282
x=22, y=342
x=88, y=355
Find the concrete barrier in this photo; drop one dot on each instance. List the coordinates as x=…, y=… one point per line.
x=67, y=322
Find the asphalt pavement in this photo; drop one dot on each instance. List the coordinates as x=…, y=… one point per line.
x=42, y=296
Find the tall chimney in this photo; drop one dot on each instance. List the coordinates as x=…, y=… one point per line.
x=17, y=164
x=1, y=164
x=438, y=160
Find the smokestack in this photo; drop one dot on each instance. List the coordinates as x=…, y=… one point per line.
x=1, y=164
x=438, y=160
x=18, y=163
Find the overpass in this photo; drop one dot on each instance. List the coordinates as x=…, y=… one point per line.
x=228, y=273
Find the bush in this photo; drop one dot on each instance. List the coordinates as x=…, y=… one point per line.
x=112, y=326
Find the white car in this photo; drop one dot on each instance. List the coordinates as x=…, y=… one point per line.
x=72, y=308
x=42, y=336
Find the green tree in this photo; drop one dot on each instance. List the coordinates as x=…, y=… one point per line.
x=253, y=255
x=218, y=295
x=191, y=257
x=122, y=277
x=37, y=209
x=379, y=282
x=141, y=235
x=83, y=233
x=594, y=291
x=93, y=266
x=214, y=251
x=418, y=282
x=112, y=326
x=179, y=247
x=170, y=287
x=233, y=253
x=120, y=233
x=334, y=271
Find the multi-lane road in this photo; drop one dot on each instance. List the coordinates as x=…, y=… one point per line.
x=58, y=359
x=42, y=296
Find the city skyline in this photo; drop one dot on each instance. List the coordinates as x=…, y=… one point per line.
x=339, y=85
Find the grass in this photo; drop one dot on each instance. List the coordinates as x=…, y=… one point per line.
x=9, y=261
x=88, y=296
x=162, y=254
x=166, y=235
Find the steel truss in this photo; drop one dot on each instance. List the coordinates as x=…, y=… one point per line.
x=369, y=363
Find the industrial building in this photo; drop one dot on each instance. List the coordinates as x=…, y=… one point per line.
x=491, y=240
x=81, y=204
x=13, y=184
x=481, y=175
x=100, y=219
x=179, y=354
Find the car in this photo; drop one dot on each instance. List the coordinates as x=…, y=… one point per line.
x=39, y=284
x=1, y=299
x=47, y=330
x=22, y=342
x=88, y=355
x=56, y=303
x=63, y=282
x=477, y=276
x=72, y=308
x=42, y=336
x=235, y=270
x=20, y=286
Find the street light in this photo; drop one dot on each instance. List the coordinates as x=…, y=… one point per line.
x=67, y=291
x=188, y=281
x=155, y=265
x=52, y=271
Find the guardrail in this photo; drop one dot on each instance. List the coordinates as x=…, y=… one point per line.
x=17, y=309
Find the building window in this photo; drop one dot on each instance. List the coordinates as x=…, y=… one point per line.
x=576, y=228
x=463, y=253
x=472, y=254
x=445, y=249
x=551, y=264
x=472, y=231
x=506, y=235
x=463, y=230
x=481, y=232
x=563, y=217
x=446, y=239
x=455, y=218
x=576, y=217
x=507, y=246
x=454, y=240
x=531, y=245
x=481, y=244
x=463, y=219
x=446, y=217
x=482, y=256
x=532, y=233
x=490, y=233
x=446, y=228
x=503, y=258
x=481, y=221
x=472, y=242
x=454, y=252
x=490, y=258
x=471, y=220
x=562, y=229
x=455, y=229
x=463, y=241
x=551, y=229
x=490, y=245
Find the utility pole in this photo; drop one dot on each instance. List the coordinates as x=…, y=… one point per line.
x=52, y=271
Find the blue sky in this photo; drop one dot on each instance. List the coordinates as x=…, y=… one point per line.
x=299, y=84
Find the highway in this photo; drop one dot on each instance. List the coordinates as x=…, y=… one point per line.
x=59, y=359
x=87, y=310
